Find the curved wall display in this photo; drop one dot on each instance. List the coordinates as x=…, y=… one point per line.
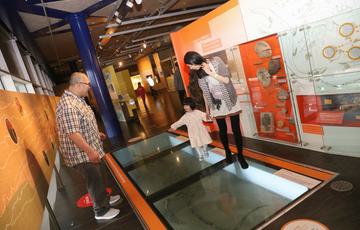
x=269, y=92
x=29, y=148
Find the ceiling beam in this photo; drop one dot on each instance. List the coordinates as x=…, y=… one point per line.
x=148, y=27
x=138, y=20
x=97, y=6
x=149, y=37
x=141, y=44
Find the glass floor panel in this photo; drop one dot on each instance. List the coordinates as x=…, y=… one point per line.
x=163, y=172
x=231, y=198
x=189, y=194
x=148, y=147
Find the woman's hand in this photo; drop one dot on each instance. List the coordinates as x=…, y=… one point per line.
x=207, y=69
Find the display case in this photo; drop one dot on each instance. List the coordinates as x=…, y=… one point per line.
x=269, y=90
x=323, y=64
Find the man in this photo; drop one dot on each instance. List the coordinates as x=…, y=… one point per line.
x=178, y=83
x=80, y=143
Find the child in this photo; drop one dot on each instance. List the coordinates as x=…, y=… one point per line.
x=198, y=134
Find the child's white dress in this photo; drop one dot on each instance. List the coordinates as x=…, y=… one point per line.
x=198, y=134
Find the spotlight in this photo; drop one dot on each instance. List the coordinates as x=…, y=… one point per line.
x=129, y=4
x=116, y=14
x=120, y=63
x=129, y=56
x=138, y=2
x=141, y=50
x=144, y=45
x=118, y=20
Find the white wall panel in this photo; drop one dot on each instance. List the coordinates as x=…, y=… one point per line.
x=264, y=17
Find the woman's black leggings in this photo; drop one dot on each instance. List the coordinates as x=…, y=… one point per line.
x=235, y=126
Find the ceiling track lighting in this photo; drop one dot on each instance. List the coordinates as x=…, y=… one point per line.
x=117, y=17
x=129, y=4
x=118, y=20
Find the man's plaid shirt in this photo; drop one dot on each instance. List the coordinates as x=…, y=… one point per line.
x=73, y=115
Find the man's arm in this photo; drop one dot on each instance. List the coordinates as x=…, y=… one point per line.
x=80, y=142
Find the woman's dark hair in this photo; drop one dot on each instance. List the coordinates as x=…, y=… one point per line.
x=194, y=58
x=190, y=102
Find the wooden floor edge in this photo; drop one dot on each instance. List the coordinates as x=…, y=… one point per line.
x=276, y=161
x=144, y=210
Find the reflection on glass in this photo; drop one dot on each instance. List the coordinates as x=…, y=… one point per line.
x=160, y=173
x=146, y=148
x=229, y=199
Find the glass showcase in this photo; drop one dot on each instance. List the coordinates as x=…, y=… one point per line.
x=322, y=60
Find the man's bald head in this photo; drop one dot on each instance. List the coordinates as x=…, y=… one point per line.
x=77, y=77
x=79, y=84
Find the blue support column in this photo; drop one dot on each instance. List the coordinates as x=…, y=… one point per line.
x=87, y=52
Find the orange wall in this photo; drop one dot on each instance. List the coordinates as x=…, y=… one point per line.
x=188, y=37
x=28, y=146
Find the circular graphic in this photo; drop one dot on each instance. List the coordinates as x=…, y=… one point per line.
x=341, y=186
x=354, y=53
x=329, y=52
x=304, y=224
x=264, y=77
x=11, y=131
x=263, y=49
x=346, y=29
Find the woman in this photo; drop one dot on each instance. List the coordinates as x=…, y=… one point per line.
x=213, y=78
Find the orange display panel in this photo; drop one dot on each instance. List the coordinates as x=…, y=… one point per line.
x=333, y=109
x=269, y=90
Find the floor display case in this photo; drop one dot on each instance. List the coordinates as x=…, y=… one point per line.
x=190, y=194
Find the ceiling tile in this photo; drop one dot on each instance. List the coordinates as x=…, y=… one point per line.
x=35, y=22
x=71, y=6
